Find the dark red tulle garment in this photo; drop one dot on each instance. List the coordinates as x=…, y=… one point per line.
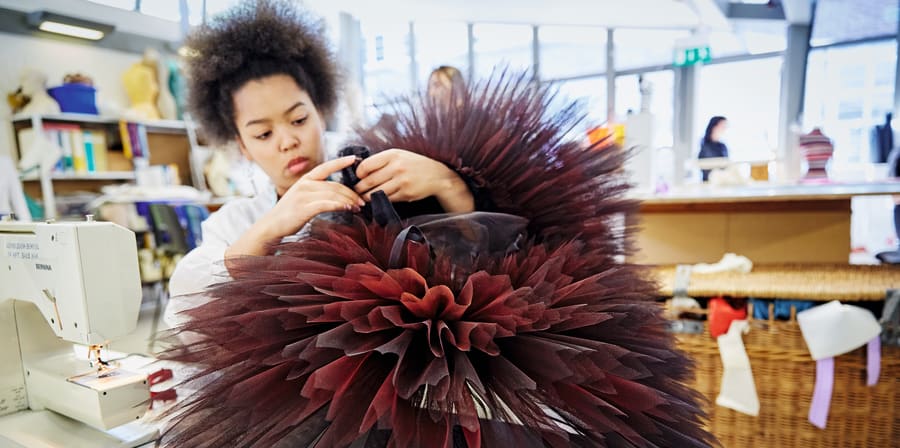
x=522, y=326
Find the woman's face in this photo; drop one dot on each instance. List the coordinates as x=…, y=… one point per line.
x=719, y=130
x=439, y=87
x=279, y=128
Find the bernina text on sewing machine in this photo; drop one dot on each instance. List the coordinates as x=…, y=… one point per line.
x=66, y=290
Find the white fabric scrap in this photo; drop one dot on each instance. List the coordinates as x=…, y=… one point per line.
x=729, y=263
x=738, y=390
x=834, y=328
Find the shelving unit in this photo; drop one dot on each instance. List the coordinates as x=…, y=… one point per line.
x=168, y=141
x=105, y=175
x=154, y=125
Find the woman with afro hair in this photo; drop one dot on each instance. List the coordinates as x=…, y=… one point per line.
x=262, y=75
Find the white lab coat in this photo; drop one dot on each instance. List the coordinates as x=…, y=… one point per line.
x=12, y=198
x=204, y=265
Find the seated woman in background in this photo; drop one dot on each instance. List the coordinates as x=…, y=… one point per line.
x=711, y=145
x=444, y=80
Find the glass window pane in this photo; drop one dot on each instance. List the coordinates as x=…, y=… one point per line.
x=501, y=46
x=561, y=45
x=164, y=9
x=387, y=61
x=122, y=4
x=637, y=48
x=590, y=92
x=843, y=20
x=195, y=12
x=848, y=91
x=749, y=37
x=747, y=93
x=660, y=87
x=441, y=44
x=216, y=7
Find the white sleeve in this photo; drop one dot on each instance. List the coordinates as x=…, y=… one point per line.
x=19, y=206
x=204, y=266
x=13, y=190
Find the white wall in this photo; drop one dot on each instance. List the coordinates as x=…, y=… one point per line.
x=56, y=59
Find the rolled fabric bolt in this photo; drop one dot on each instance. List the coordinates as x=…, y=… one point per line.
x=738, y=391
x=821, y=400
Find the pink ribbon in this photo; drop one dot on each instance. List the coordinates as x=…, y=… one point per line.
x=821, y=400
x=873, y=366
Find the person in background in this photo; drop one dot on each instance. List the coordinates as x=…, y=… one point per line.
x=12, y=198
x=443, y=81
x=712, y=145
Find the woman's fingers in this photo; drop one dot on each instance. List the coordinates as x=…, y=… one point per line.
x=326, y=205
x=375, y=179
x=340, y=189
x=374, y=163
x=328, y=168
x=345, y=196
x=392, y=189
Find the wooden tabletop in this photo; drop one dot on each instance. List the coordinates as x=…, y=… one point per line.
x=766, y=192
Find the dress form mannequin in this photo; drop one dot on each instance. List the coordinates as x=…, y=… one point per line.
x=165, y=102
x=142, y=88
x=34, y=85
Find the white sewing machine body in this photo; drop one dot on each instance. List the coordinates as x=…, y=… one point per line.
x=63, y=284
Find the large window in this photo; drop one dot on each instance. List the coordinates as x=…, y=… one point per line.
x=216, y=7
x=845, y=20
x=568, y=51
x=387, y=63
x=590, y=93
x=748, y=94
x=502, y=46
x=660, y=86
x=848, y=91
x=637, y=48
x=749, y=37
x=441, y=44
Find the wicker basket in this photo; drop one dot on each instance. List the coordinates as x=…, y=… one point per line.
x=790, y=281
x=784, y=373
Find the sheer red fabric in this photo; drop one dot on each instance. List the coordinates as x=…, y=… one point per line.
x=521, y=327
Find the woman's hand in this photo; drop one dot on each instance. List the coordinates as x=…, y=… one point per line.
x=311, y=195
x=405, y=176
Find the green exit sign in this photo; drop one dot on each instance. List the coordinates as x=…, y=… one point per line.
x=691, y=56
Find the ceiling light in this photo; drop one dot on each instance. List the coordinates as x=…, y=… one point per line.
x=68, y=26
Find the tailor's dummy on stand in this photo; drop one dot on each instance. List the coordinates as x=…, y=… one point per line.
x=146, y=83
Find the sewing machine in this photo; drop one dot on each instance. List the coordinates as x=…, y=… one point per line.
x=66, y=290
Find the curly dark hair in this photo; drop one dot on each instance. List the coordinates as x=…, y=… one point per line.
x=253, y=40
